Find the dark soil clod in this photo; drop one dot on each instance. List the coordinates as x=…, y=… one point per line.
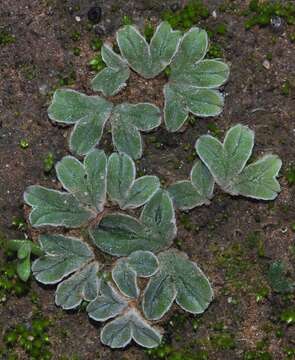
x=94, y=14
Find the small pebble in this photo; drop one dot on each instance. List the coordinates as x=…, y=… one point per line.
x=276, y=23
x=94, y=14
x=43, y=89
x=174, y=7
x=214, y=14
x=99, y=30
x=266, y=64
x=77, y=18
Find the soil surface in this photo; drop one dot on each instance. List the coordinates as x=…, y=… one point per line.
x=234, y=240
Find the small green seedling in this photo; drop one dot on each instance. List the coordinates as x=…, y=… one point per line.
x=48, y=163
x=96, y=64
x=290, y=175
x=19, y=223
x=6, y=38
x=148, y=31
x=225, y=164
x=262, y=12
x=32, y=339
x=193, y=81
x=140, y=244
x=191, y=88
x=288, y=316
x=96, y=44
x=127, y=20
x=24, y=144
x=186, y=17
x=86, y=186
x=24, y=249
x=278, y=280
x=10, y=282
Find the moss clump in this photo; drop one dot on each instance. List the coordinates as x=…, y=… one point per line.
x=33, y=339
x=160, y=352
x=76, y=51
x=96, y=64
x=148, y=31
x=223, y=341
x=48, y=163
x=214, y=129
x=290, y=176
x=261, y=12
x=220, y=29
x=10, y=283
x=242, y=269
x=229, y=6
x=19, y=223
x=257, y=355
x=290, y=353
x=186, y=222
x=127, y=20
x=261, y=294
x=234, y=262
x=277, y=277
x=76, y=35
x=286, y=88
x=260, y=353
x=29, y=71
x=6, y=38
x=67, y=79
x=255, y=241
x=187, y=17
x=288, y=316
x=168, y=353
x=215, y=51
x=24, y=144
x=96, y=44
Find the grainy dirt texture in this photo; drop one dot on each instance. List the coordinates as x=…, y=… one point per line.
x=234, y=240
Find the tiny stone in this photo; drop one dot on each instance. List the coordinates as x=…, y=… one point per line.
x=175, y=7
x=50, y=11
x=266, y=64
x=43, y=89
x=94, y=14
x=276, y=23
x=214, y=14
x=77, y=18
x=99, y=30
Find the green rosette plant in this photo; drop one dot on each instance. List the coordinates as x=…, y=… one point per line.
x=225, y=164
x=141, y=248
x=192, y=88
x=122, y=263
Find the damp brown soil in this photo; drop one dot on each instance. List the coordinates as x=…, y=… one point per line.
x=234, y=240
